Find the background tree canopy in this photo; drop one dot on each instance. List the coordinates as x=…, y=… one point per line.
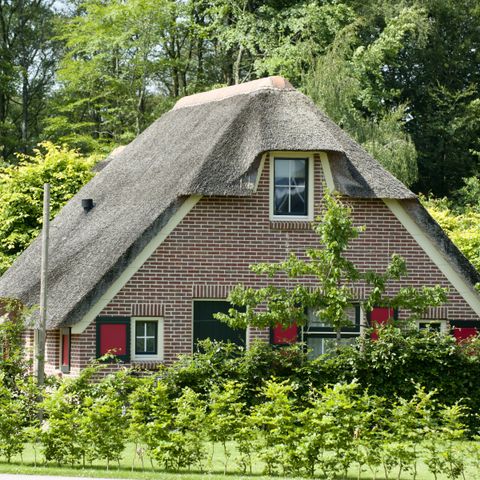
x=402, y=77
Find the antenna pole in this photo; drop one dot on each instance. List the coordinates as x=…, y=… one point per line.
x=42, y=327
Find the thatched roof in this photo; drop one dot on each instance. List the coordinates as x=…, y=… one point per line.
x=209, y=144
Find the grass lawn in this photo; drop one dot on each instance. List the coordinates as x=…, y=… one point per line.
x=25, y=464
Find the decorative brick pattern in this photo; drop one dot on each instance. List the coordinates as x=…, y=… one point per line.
x=358, y=292
x=211, y=291
x=148, y=310
x=289, y=226
x=437, y=313
x=211, y=250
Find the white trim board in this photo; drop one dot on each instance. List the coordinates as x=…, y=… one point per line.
x=468, y=294
x=260, y=171
x=327, y=171
x=141, y=258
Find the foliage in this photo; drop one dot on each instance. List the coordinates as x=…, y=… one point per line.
x=21, y=194
x=63, y=438
x=13, y=365
x=12, y=421
x=349, y=84
x=274, y=418
x=462, y=224
x=468, y=196
x=103, y=423
x=150, y=420
x=29, y=53
x=323, y=418
x=85, y=420
x=226, y=416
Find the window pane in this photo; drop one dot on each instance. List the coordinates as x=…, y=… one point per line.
x=315, y=344
x=282, y=176
x=313, y=320
x=321, y=345
x=139, y=345
x=281, y=200
x=151, y=328
x=139, y=328
x=298, y=172
x=433, y=327
x=351, y=313
x=150, y=345
x=297, y=201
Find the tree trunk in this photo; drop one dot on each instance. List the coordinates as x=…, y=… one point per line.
x=236, y=65
x=25, y=100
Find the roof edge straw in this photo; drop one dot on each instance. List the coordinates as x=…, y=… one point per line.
x=42, y=327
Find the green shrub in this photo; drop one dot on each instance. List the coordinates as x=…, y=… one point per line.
x=393, y=365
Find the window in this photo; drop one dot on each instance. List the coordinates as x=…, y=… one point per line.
x=113, y=337
x=321, y=338
x=147, y=336
x=206, y=326
x=432, y=325
x=291, y=187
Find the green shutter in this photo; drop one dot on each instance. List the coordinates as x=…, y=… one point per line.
x=206, y=326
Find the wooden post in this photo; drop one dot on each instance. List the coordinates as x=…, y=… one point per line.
x=42, y=327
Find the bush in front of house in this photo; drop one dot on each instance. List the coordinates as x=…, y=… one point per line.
x=389, y=367
x=380, y=406
x=393, y=365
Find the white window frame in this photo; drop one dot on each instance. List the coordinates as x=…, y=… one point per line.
x=141, y=357
x=443, y=324
x=310, y=186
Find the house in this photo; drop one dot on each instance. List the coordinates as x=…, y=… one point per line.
x=148, y=250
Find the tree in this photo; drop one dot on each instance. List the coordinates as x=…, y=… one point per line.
x=125, y=63
x=348, y=83
x=28, y=56
x=439, y=81
x=21, y=194
x=334, y=275
x=460, y=224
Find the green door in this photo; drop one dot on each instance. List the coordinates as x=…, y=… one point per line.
x=205, y=326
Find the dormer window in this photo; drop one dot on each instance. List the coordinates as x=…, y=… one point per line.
x=291, y=185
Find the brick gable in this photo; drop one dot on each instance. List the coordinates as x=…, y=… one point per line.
x=212, y=247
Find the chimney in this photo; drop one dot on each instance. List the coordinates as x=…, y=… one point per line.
x=87, y=204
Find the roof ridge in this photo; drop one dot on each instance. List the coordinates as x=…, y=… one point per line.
x=267, y=83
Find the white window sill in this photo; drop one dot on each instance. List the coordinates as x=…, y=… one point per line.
x=147, y=358
x=291, y=218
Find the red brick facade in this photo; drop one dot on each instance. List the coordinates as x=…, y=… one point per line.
x=213, y=246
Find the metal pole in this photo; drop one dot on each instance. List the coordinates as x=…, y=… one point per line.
x=42, y=327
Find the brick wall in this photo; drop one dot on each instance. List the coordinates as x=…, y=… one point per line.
x=52, y=350
x=212, y=247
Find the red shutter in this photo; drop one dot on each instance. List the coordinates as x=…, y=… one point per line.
x=380, y=316
x=65, y=343
x=464, y=333
x=282, y=336
x=65, y=351
x=113, y=338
